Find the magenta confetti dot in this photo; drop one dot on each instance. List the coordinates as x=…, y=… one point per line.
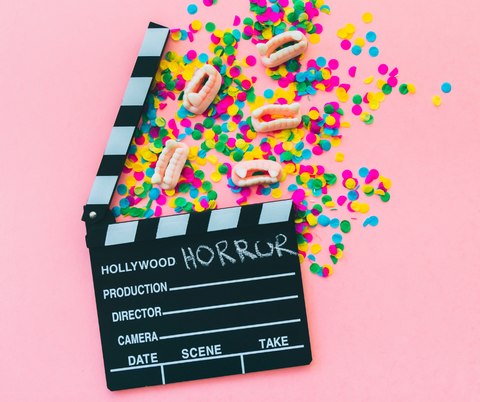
x=208, y=3
x=332, y=249
x=383, y=69
x=234, y=72
x=345, y=44
x=317, y=150
x=357, y=110
x=236, y=21
x=341, y=200
x=191, y=55
x=392, y=81
x=311, y=138
x=347, y=174
x=352, y=71
x=333, y=64
x=319, y=29
x=394, y=72
x=248, y=30
x=251, y=60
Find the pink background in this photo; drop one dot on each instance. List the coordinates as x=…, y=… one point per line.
x=399, y=318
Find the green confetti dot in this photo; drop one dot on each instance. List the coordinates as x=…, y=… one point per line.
x=210, y=27
x=403, y=89
x=180, y=202
x=287, y=156
x=199, y=174
x=315, y=268
x=139, y=190
x=326, y=198
x=223, y=138
x=330, y=178
x=345, y=226
x=223, y=169
x=212, y=195
x=329, y=109
x=340, y=246
x=318, y=207
x=386, y=197
x=207, y=185
x=184, y=188
x=317, y=184
x=357, y=99
x=248, y=21
x=386, y=89
x=196, y=135
x=237, y=156
x=219, y=146
x=334, y=259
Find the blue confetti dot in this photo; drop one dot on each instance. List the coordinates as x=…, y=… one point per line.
x=148, y=213
x=446, y=87
x=326, y=146
x=337, y=238
x=352, y=195
x=371, y=36
x=356, y=50
x=194, y=193
x=122, y=189
x=334, y=223
x=321, y=61
x=266, y=191
x=372, y=220
x=292, y=187
x=154, y=193
x=373, y=51
x=268, y=93
x=306, y=154
x=363, y=172
x=124, y=203
x=192, y=9
x=203, y=57
x=116, y=211
x=323, y=220
x=311, y=257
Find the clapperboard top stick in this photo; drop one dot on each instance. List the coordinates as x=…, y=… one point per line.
x=190, y=296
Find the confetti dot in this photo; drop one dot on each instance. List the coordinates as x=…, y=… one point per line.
x=446, y=87
x=411, y=88
x=437, y=101
x=367, y=17
x=360, y=42
x=192, y=9
x=403, y=89
x=268, y=93
x=371, y=36
x=339, y=157
x=382, y=69
x=345, y=226
x=345, y=44
x=314, y=38
x=315, y=248
x=210, y=27
x=373, y=51
x=368, y=80
x=356, y=50
x=337, y=238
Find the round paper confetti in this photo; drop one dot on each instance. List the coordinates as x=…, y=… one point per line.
x=314, y=38
x=383, y=69
x=446, y=87
x=345, y=44
x=367, y=17
x=371, y=36
x=356, y=50
x=373, y=51
x=437, y=101
x=192, y=9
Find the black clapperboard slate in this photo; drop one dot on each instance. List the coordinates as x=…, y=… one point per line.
x=190, y=296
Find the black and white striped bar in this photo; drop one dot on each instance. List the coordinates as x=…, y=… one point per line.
x=128, y=116
x=199, y=295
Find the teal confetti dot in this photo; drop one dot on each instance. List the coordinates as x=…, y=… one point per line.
x=371, y=36
x=323, y=220
x=203, y=57
x=321, y=61
x=122, y=189
x=373, y=51
x=446, y=87
x=356, y=50
x=337, y=238
x=363, y=172
x=268, y=93
x=192, y=9
x=334, y=223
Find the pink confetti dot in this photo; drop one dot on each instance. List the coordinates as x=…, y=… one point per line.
x=345, y=44
x=236, y=21
x=383, y=69
x=317, y=150
x=347, y=174
x=341, y=200
x=357, y=110
x=251, y=60
x=191, y=54
x=208, y=3
x=352, y=71
x=333, y=64
x=392, y=81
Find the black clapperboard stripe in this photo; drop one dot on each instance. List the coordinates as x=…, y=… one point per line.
x=191, y=296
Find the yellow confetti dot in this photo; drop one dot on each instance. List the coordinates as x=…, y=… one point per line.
x=339, y=253
x=276, y=193
x=387, y=183
x=202, y=161
x=379, y=192
x=131, y=181
x=339, y=157
x=380, y=96
x=367, y=188
x=304, y=177
x=171, y=203
x=368, y=80
x=342, y=33
x=350, y=184
x=170, y=192
x=315, y=248
x=313, y=114
x=364, y=208
x=437, y=101
x=335, y=141
x=216, y=177
x=312, y=221
x=381, y=83
x=330, y=204
x=303, y=246
x=232, y=110
x=374, y=104
x=355, y=205
x=218, y=33
x=212, y=159
x=367, y=17
x=176, y=35
x=330, y=120
x=411, y=88
x=301, y=258
x=290, y=168
x=360, y=42
x=350, y=28
x=314, y=38
x=197, y=25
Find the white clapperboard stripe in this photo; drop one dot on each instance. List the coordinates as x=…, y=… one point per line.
x=127, y=120
x=195, y=223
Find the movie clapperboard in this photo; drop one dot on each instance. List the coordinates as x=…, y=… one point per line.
x=190, y=296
